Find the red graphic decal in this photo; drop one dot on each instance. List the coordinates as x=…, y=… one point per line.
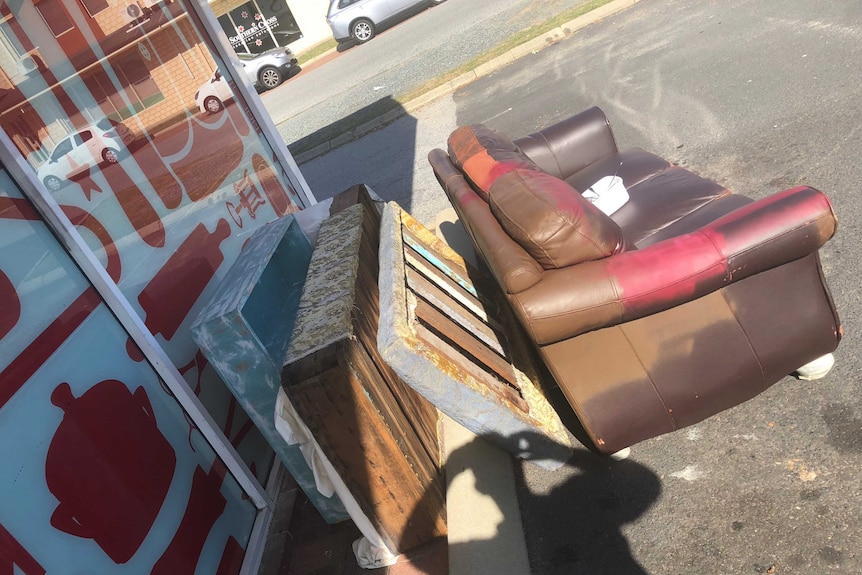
x=276, y=193
x=231, y=558
x=88, y=186
x=10, y=308
x=85, y=219
x=206, y=504
x=109, y=466
x=133, y=351
x=214, y=154
x=249, y=198
x=162, y=180
x=137, y=208
x=46, y=343
x=175, y=288
x=200, y=362
x=13, y=554
x=17, y=209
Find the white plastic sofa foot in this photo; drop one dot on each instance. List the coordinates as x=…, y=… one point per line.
x=817, y=368
x=621, y=454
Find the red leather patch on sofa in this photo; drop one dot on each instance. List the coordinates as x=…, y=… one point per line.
x=484, y=154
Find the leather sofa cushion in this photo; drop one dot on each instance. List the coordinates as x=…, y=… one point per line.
x=551, y=220
x=484, y=154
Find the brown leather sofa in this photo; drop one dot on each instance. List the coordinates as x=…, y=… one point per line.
x=687, y=301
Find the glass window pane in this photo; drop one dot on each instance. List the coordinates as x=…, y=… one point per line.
x=55, y=16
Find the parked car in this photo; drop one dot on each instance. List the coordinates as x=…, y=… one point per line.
x=265, y=70
x=102, y=142
x=359, y=19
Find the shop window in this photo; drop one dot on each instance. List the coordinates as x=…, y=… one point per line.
x=55, y=16
x=94, y=6
x=140, y=90
x=252, y=28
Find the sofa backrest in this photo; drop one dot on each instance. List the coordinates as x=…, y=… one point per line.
x=544, y=216
x=513, y=268
x=483, y=154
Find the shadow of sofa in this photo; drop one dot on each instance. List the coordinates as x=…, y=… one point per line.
x=686, y=301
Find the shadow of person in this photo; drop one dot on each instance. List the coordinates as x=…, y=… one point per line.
x=572, y=517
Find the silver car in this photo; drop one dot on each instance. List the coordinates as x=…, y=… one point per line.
x=269, y=69
x=359, y=19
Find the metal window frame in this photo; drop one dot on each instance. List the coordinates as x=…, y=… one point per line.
x=118, y=304
x=204, y=17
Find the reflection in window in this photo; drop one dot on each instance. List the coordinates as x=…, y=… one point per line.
x=94, y=6
x=55, y=16
x=140, y=91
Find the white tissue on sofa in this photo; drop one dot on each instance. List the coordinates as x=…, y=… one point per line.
x=608, y=194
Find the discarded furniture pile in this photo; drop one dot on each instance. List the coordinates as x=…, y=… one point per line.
x=651, y=302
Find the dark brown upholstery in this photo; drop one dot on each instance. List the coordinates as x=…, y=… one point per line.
x=706, y=300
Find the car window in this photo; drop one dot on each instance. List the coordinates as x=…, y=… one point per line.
x=106, y=124
x=83, y=136
x=346, y=3
x=62, y=149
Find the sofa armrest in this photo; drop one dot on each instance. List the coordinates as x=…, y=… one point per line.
x=572, y=144
x=630, y=285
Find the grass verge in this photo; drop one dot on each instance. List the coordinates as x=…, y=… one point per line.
x=316, y=51
x=517, y=39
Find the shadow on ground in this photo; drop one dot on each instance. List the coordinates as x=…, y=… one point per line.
x=383, y=162
x=343, y=126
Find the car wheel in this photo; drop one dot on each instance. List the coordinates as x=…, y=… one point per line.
x=212, y=104
x=53, y=183
x=269, y=77
x=362, y=30
x=111, y=155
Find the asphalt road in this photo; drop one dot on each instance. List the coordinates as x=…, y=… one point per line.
x=760, y=97
x=401, y=59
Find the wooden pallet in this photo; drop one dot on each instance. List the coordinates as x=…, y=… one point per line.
x=379, y=434
x=449, y=334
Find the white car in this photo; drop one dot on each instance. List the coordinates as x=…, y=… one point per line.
x=212, y=95
x=79, y=151
x=266, y=71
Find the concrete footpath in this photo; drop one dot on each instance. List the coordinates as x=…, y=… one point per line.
x=759, y=101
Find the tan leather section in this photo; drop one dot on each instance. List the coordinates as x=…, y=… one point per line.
x=657, y=374
x=551, y=220
x=673, y=369
x=609, y=390
x=554, y=309
x=512, y=267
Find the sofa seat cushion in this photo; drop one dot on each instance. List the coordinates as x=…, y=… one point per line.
x=551, y=220
x=633, y=166
x=484, y=154
x=697, y=219
x=663, y=199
